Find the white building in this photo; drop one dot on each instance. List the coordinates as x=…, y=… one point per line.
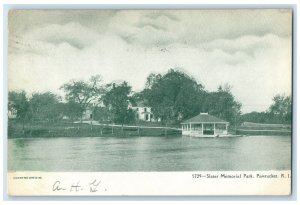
x=89, y=111
x=144, y=112
x=12, y=113
x=204, y=125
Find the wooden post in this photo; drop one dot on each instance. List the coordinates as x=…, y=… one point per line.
x=139, y=130
x=227, y=128
x=166, y=130
x=23, y=126
x=202, y=129
x=112, y=129
x=214, y=128
x=101, y=128
x=234, y=124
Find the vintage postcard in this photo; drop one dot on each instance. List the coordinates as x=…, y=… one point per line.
x=149, y=102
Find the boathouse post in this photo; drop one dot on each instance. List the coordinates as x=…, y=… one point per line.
x=214, y=128
x=227, y=128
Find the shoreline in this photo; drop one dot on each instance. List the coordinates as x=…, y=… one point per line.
x=69, y=129
x=86, y=130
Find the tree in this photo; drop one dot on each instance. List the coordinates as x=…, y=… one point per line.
x=45, y=106
x=71, y=109
x=102, y=114
x=281, y=109
x=84, y=93
x=173, y=96
x=117, y=100
x=257, y=117
x=19, y=102
x=152, y=79
x=222, y=104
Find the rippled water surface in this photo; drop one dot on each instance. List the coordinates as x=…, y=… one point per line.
x=149, y=153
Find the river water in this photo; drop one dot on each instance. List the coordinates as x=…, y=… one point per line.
x=150, y=154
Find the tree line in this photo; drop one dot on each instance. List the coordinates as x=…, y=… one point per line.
x=173, y=97
x=279, y=112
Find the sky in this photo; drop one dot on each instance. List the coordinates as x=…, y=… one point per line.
x=249, y=49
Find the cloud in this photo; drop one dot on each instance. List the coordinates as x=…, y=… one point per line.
x=250, y=50
x=162, y=15
x=196, y=27
x=247, y=44
x=72, y=33
x=152, y=27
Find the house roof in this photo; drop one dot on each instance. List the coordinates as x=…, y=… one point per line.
x=140, y=104
x=204, y=117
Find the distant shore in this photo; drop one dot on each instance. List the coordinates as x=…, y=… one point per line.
x=68, y=129
x=249, y=128
x=85, y=129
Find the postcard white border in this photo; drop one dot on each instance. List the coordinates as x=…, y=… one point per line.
x=217, y=183
x=255, y=4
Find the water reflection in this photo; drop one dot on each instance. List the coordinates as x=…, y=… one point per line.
x=149, y=153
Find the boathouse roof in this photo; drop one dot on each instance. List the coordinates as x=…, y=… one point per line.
x=204, y=118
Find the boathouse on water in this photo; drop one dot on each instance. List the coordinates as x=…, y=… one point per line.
x=205, y=125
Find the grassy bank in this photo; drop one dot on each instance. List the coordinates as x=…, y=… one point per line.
x=264, y=129
x=67, y=129
x=263, y=132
